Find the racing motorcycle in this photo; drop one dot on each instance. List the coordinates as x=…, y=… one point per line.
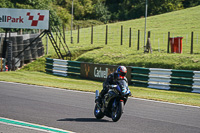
x=112, y=104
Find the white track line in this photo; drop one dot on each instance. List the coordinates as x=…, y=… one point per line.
x=27, y=125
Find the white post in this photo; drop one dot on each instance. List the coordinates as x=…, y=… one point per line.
x=186, y=39
x=72, y=21
x=158, y=45
x=163, y=38
x=154, y=38
x=145, y=24
x=179, y=45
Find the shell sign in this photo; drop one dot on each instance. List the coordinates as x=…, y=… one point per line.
x=24, y=18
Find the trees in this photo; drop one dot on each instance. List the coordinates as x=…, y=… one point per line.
x=158, y=7
x=130, y=9
x=190, y=3
x=6, y=4
x=103, y=10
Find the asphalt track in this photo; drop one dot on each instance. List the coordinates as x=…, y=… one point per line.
x=73, y=111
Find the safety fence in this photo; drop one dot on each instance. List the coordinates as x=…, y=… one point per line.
x=2, y=64
x=167, y=79
x=133, y=38
x=63, y=67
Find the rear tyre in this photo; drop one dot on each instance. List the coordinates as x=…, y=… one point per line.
x=117, y=111
x=98, y=113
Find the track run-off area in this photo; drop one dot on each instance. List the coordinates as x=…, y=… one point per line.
x=46, y=109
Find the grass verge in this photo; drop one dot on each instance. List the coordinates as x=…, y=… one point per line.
x=44, y=79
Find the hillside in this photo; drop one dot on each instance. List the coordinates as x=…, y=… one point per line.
x=178, y=23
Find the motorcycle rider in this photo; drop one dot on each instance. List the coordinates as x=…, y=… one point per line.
x=112, y=78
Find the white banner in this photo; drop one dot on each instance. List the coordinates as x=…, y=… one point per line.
x=24, y=18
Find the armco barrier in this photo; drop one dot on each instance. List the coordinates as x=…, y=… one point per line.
x=63, y=67
x=167, y=79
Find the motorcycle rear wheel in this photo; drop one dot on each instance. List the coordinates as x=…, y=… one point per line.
x=117, y=111
x=98, y=113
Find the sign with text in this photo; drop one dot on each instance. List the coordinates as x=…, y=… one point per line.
x=100, y=71
x=24, y=18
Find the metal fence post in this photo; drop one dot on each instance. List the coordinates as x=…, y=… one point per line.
x=92, y=35
x=168, y=43
x=121, y=34
x=138, y=46
x=130, y=38
x=78, y=34
x=106, y=35
x=192, y=34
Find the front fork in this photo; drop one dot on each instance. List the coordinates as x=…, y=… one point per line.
x=115, y=104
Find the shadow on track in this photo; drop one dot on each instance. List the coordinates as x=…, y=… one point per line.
x=83, y=120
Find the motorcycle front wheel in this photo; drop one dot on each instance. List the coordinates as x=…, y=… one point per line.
x=117, y=110
x=98, y=113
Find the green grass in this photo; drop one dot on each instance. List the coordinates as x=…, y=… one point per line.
x=44, y=79
x=179, y=23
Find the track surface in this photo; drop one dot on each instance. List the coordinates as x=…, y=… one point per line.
x=72, y=110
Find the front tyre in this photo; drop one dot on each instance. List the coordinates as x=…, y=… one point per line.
x=98, y=113
x=117, y=110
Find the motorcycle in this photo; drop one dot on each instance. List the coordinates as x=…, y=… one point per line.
x=112, y=104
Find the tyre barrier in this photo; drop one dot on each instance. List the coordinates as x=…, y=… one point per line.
x=14, y=46
x=40, y=48
x=27, y=51
x=33, y=48
x=2, y=64
x=20, y=47
x=19, y=42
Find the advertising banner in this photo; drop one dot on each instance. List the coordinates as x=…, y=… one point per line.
x=24, y=18
x=100, y=72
